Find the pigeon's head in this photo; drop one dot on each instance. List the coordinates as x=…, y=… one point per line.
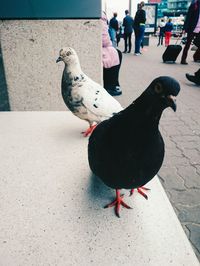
x=68, y=56
x=164, y=90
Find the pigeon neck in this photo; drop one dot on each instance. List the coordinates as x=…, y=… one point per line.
x=150, y=109
x=74, y=69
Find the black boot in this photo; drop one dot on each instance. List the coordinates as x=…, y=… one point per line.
x=115, y=91
x=192, y=79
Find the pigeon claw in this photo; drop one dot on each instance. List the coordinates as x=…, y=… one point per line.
x=140, y=192
x=88, y=131
x=117, y=203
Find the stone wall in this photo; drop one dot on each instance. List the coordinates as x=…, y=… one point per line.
x=30, y=49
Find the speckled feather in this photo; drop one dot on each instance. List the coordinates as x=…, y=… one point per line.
x=84, y=97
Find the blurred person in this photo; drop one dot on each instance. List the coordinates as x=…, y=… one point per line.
x=119, y=34
x=168, y=31
x=128, y=30
x=161, y=32
x=191, y=27
x=111, y=59
x=139, y=27
x=113, y=28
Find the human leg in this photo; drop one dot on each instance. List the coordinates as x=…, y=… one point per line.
x=113, y=87
x=167, y=36
x=129, y=42
x=139, y=38
x=161, y=38
x=111, y=78
x=142, y=30
x=116, y=70
x=197, y=75
x=112, y=33
x=194, y=78
x=106, y=78
x=125, y=42
x=137, y=45
x=186, y=48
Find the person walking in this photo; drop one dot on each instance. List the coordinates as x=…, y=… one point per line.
x=191, y=27
x=168, y=31
x=161, y=32
x=113, y=28
x=139, y=27
x=111, y=59
x=128, y=30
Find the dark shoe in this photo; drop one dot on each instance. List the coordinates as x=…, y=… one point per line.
x=184, y=63
x=129, y=51
x=116, y=91
x=124, y=52
x=192, y=78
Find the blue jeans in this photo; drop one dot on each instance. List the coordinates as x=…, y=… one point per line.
x=113, y=33
x=139, y=35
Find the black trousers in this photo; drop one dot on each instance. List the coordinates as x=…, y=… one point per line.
x=197, y=75
x=127, y=41
x=111, y=75
x=160, y=38
x=190, y=37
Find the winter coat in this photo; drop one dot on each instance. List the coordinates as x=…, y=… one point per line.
x=192, y=17
x=110, y=56
x=168, y=27
x=128, y=24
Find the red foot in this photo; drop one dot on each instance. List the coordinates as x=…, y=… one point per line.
x=140, y=191
x=117, y=202
x=88, y=131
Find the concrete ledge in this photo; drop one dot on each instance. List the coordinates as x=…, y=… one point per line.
x=30, y=49
x=51, y=206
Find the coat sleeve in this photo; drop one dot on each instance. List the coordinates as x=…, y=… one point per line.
x=188, y=18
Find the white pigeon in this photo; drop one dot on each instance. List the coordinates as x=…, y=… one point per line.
x=84, y=97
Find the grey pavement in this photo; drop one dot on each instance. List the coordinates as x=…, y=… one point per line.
x=180, y=173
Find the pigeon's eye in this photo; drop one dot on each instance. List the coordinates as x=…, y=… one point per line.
x=158, y=88
x=68, y=53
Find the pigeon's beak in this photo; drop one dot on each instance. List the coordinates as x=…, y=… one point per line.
x=172, y=102
x=59, y=59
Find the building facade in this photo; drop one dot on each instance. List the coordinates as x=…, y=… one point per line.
x=178, y=7
x=171, y=8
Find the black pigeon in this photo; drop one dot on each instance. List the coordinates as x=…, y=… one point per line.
x=127, y=150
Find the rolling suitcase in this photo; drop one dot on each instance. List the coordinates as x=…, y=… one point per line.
x=171, y=53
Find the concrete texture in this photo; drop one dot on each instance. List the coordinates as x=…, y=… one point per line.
x=52, y=206
x=30, y=49
x=180, y=173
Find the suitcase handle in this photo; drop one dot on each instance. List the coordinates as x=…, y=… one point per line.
x=179, y=36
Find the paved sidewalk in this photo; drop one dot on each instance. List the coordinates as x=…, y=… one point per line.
x=180, y=173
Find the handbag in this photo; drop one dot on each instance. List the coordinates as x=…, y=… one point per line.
x=196, y=40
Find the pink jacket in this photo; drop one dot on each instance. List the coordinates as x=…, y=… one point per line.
x=110, y=56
